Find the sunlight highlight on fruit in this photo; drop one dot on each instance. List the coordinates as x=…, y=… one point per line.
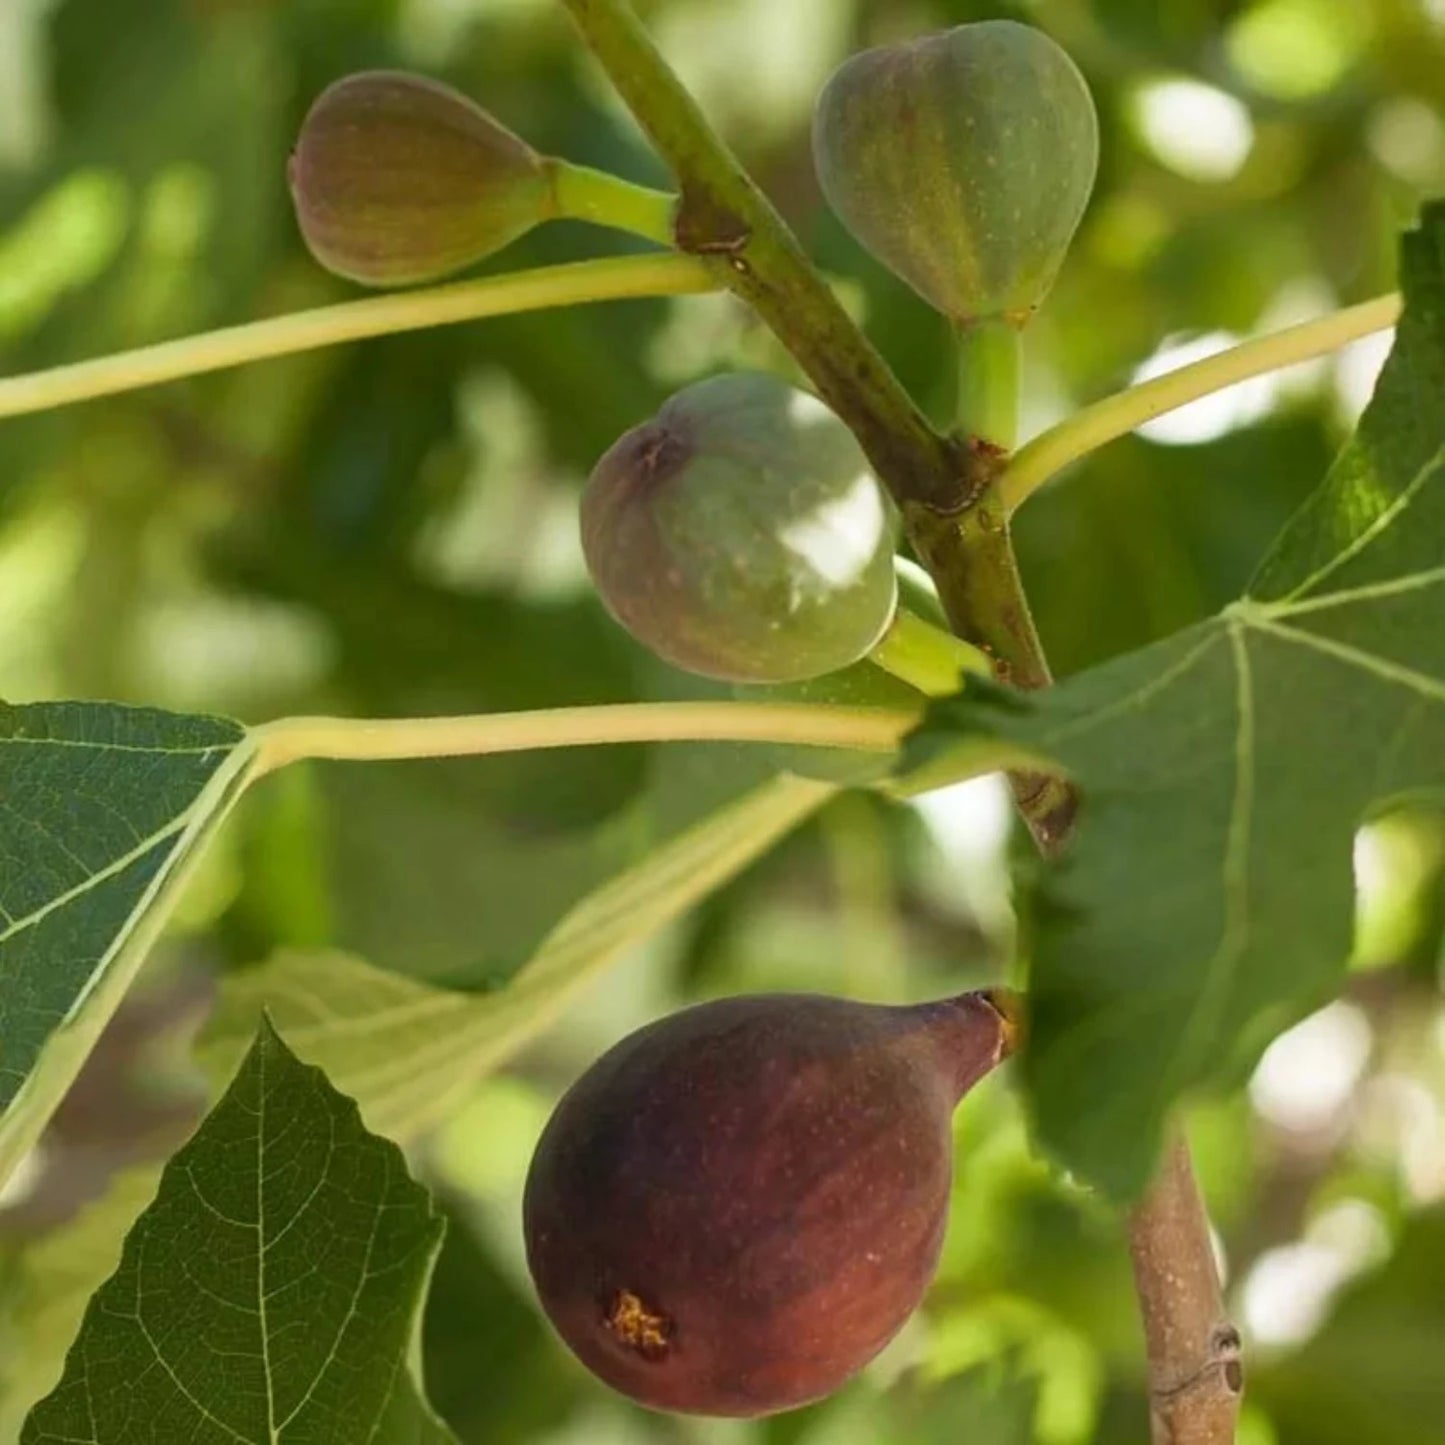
x=838, y=539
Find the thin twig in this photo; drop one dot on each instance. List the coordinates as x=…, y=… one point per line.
x=1087, y=430
x=611, y=279
x=1195, y=1375
x=871, y=729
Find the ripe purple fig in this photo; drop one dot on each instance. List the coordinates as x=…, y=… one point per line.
x=741, y=535
x=962, y=161
x=735, y=1208
x=399, y=179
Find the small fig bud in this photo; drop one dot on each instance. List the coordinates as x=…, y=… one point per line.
x=741, y=535
x=962, y=161
x=398, y=179
x=735, y=1208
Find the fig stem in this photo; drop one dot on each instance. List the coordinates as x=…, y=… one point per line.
x=978, y=554
x=988, y=382
x=584, y=194
x=1087, y=430
x=869, y=729
x=926, y=657
x=609, y=279
x=972, y=559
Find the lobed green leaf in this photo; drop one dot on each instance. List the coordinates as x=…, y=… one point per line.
x=1207, y=901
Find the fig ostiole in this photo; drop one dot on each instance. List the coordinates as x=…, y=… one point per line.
x=398, y=179
x=735, y=1208
x=963, y=161
x=741, y=535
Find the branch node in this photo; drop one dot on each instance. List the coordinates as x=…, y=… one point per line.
x=704, y=226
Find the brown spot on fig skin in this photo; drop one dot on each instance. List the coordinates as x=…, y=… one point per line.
x=661, y=454
x=637, y=1326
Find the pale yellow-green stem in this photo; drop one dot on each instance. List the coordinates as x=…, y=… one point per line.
x=611, y=279
x=1087, y=430
x=392, y=739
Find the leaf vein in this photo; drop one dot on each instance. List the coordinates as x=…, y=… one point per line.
x=180, y=1385
x=1391, y=588
x=1375, y=530
x=1406, y=677
x=1234, y=869
x=1141, y=695
x=119, y=865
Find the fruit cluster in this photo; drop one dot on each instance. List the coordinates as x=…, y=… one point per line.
x=740, y=534
x=737, y=1207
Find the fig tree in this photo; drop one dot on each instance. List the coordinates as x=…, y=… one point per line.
x=962, y=161
x=399, y=179
x=736, y=1207
x=741, y=535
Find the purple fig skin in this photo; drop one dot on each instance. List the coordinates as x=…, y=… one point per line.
x=398, y=179
x=735, y=1208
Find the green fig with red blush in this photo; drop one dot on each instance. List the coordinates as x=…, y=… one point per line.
x=740, y=534
x=398, y=179
x=963, y=161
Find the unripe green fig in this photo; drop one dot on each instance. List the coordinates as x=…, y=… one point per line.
x=399, y=179
x=741, y=535
x=963, y=161
x=735, y=1208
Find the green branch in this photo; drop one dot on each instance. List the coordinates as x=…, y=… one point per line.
x=971, y=557
x=1091, y=428
x=726, y=220
x=868, y=729
x=606, y=280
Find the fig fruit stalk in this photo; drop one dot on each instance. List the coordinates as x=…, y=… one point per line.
x=738, y=1206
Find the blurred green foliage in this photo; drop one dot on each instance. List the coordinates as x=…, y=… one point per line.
x=390, y=528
